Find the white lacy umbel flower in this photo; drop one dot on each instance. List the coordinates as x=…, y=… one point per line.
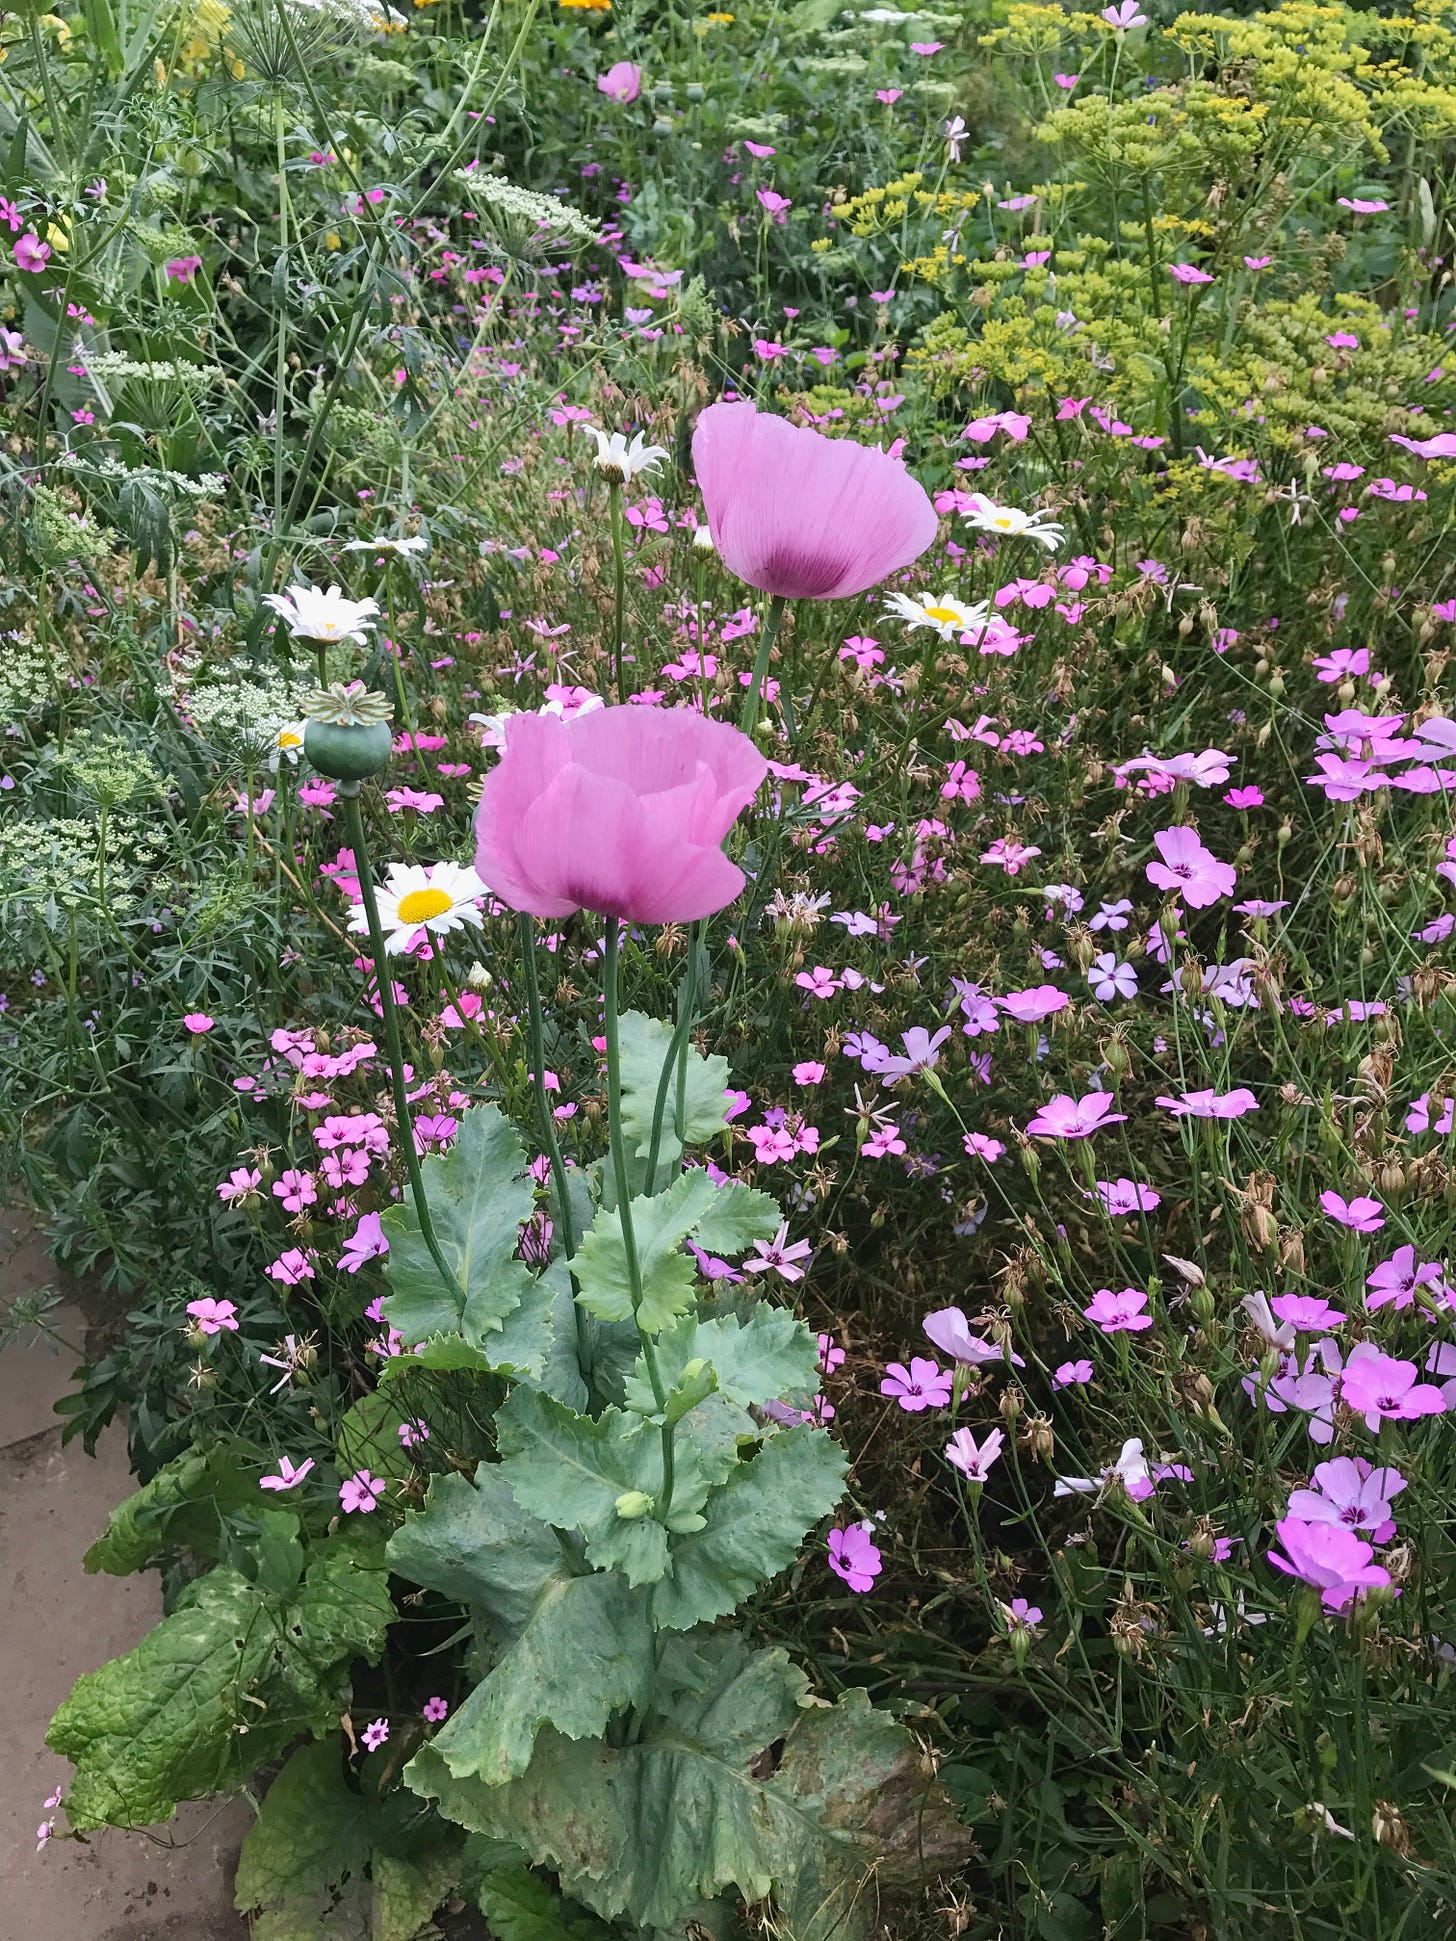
x=620, y=462
x=313, y=613
x=439, y=898
x=401, y=548
x=986, y=516
x=949, y=616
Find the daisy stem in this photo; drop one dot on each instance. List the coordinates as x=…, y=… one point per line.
x=404, y=1122
x=771, y=621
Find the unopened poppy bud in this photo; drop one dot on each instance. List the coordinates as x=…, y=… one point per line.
x=633, y=1504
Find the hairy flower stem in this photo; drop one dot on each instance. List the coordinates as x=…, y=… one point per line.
x=404, y=1122
x=619, y=590
x=748, y=720
x=585, y=1354
x=618, y=1142
x=676, y=1061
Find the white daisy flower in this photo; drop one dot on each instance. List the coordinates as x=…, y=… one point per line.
x=439, y=898
x=287, y=744
x=402, y=548
x=620, y=462
x=986, y=516
x=948, y=616
x=493, y=726
x=315, y=614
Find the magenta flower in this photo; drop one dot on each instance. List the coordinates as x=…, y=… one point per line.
x=1188, y=273
x=803, y=516
x=949, y=1330
x=1030, y=1007
x=920, y=1386
x=361, y=1491
x=773, y=203
x=854, y=1557
x=1021, y=1615
x=1348, y=1491
x=1328, y=1556
x=30, y=253
x=1069, y=1118
x=212, y=1317
x=1123, y=16
x=1307, y=1313
x=622, y=82
x=375, y=1734
x=366, y=1242
x=1071, y=1374
x=972, y=1459
x=1384, y=1389
x=780, y=1254
x=182, y=269
x=1119, y=1313
x=240, y=1188
x=436, y=1709
x=1396, y=1280
x=619, y=810
x=198, y=1022
x=288, y=1477
x=1188, y=869
x=1124, y=1196
x=1210, y=1104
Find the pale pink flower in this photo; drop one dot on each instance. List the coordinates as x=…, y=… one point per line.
x=1188, y=869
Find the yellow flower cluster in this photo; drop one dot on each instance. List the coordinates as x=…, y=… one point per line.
x=879, y=209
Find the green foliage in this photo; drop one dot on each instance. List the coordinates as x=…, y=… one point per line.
x=521, y=1907
x=229, y=1680
x=181, y=1508
x=645, y=1043
x=726, y=1219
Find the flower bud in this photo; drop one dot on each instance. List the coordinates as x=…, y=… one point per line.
x=632, y=1504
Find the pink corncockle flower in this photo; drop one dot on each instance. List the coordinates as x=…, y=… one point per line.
x=888, y=95
x=1362, y=205
x=436, y=1710
x=212, y=1316
x=883, y=1143
x=1012, y=856
x=950, y=1331
x=1251, y=797
x=361, y=1492
x=1343, y=340
x=621, y=811
x=1130, y=1471
x=1348, y=1491
x=1394, y=1281
x=773, y=203
x=1123, y=1196
x=974, y=1459
x=30, y=253
x=922, y=1054
x=291, y=1268
x=1067, y=1118
x=979, y=1145
x=1361, y=1215
x=198, y=1022
x=808, y=1071
x=1210, y=1104
x=1385, y=1389
x=1119, y=1313
x=1188, y=273
x=1111, y=916
x=295, y=1189
x=622, y=82
x=1123, y=16
x=1328, y=1556
x=922, y=1385
x=240, y=1188
x=366, y=1242
x=854, y=1556
x=1030, y=1007
x=802, y=516
x=925, y=48
x=1111, y=978
x=288, y=1476
x=1442, y=445
x=1208, y=769
x=1188, y=869
x=181, y=269
x=1307, y=1313
x=1072, y=1374
x=375, y=1734
x=781, y=1255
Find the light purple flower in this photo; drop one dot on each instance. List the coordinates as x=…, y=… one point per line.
x=1188, y=869
x=288, y=1477
x=1361, y=1215
x=1210, y=1104
x=949, y=1330
x=920, y=1386
x=1383, y=1388
x=1130, y=1470
x=1030, y=1007
x=1068, y=1118
x=1123, y=1196
x=1307, y=1313
x=1396, y=1280
x=974, y=1459
x=1119, y=1313
x=1072, y=1374
x=1124, y=16
x=1111, y=978
x=1328, y=1556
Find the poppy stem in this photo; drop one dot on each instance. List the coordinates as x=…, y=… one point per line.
x=771, y=622
x=619, y=591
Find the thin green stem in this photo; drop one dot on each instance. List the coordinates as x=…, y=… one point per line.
x=619, y=590
x=772, y=620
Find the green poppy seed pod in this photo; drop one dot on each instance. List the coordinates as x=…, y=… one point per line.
x=632, y=1504
x=348, y=737
x=695, y=91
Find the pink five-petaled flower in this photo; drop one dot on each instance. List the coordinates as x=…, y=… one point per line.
x=1396, y=1280
x=1123, y=16
x=1382, y=1388
x=1328, y=1556
x=182, y=269
x=1188, y=869
x=973, y=1459
x=619, y=810
x=854, y=1556
x=361, y=1491
x=621, y=82
x=213, y=1316
x=240, y=1188
x=1348, y=1491
x=1071, y=1374
x=1123, y=1196
x=920, y=1386
x=1360, y=1215
x=375, y=1734
x=288, y=1477
x=30, y=253
x=197, y=1022
x=1188, y=273
x=436, y=1709
x=948, y=1328
x=1210, y=1104
x=803, y=516
x=1119, y=1313
x=781, y=1255
x=1069, y=1118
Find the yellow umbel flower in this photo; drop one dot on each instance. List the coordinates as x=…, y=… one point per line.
x=588, y=6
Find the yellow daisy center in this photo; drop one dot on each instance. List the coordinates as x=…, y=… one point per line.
x=943, y=616
x=418, y=906
x=289, y=738
x=1004, y=520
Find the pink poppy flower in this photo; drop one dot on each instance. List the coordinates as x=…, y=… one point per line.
x=803, y=516
x=1188, y=869
x=1328, y=1556
x=854, y=1556
x=622, y=82
x=620, y=810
